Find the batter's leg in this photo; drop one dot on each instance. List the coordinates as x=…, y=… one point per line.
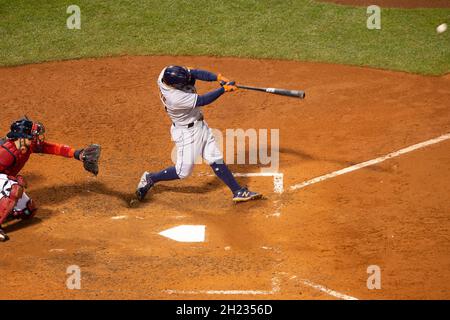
x=148, y=180
x=213, y=156
x=187, y=151
x=223, y=173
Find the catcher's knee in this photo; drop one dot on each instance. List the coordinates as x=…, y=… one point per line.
x=16, y=192
x=6, y=208
x=28, y=212
x=7, y=203
x=185, y=170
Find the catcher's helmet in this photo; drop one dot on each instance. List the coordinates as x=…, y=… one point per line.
x=21, y=129
x=178, y=77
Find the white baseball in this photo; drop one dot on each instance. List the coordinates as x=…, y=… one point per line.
x=441, y=28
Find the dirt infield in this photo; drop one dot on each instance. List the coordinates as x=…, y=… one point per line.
x=409, y=4
x=316, y=242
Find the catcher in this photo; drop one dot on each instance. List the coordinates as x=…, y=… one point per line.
x=27, y=137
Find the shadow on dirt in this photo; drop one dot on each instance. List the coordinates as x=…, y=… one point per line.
x=32, y=178
x=205, y=187
x=22, y=224
x=61, y=193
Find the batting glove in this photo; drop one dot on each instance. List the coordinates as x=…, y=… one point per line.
x=230, y=86
x=221, y=78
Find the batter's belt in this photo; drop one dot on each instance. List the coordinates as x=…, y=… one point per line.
x=190, y=125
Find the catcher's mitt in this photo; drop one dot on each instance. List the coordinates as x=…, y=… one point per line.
x=90, y=156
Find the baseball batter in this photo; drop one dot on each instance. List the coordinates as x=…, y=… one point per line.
x=27, y=137
x=189, y=130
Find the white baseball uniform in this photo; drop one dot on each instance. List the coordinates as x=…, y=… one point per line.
x=5, y=189
x=189, y=131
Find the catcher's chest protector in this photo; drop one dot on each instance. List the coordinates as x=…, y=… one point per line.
x=11, y=159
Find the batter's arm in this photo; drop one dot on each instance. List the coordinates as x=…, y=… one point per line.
x=203, y=75
x=210, y=97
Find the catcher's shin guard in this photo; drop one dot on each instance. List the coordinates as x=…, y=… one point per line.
x=26, y=213
x=3, y=236
x=7, y=203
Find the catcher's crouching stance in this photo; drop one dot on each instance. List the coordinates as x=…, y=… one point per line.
x=27, y=137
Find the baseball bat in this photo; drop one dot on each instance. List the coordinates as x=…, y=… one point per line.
x=282, y=92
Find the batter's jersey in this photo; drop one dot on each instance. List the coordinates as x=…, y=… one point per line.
x=179, y=104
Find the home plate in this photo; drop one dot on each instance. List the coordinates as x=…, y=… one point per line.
x=185, y=233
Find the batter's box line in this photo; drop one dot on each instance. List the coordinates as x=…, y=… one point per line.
x=275, y=290
x=371, y=162
x=278, y=178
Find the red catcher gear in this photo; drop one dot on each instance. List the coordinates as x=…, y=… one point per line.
x=38, y=133
x=20, y=180
x=26, y=213
x=13, y=160
x=7, y=204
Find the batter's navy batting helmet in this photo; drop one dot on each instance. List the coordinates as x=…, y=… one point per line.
x=21, y=129
x=177, y=77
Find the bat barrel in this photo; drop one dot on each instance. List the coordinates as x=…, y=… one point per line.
x=283, y=92
x=289, y=93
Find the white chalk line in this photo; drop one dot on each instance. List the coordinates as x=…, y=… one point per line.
x=278, y=188
x=371, y=162
x=351, y=169
x=278, y=178
x=275, y=289
x=219, y=292
x=327, y=290
x=278, y=205
x=119, y=217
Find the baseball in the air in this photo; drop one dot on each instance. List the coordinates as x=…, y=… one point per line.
x=441, y=28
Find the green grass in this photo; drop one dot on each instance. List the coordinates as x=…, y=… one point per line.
x=35, y=31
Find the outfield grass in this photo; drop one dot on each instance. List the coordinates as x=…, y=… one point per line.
x=35, y=31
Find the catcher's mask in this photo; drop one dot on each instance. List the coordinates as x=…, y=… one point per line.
x=27, y=129
x=38, y=133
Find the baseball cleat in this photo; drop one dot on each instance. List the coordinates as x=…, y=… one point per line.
x=3, y=236
x=244, y=194
x=145, y=184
